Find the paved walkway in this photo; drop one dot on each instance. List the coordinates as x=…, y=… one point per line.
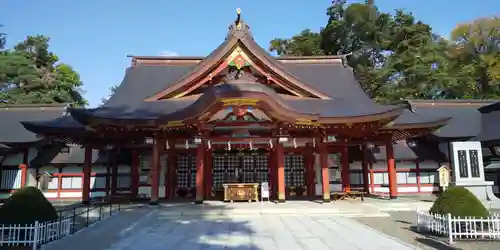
x=156, y=228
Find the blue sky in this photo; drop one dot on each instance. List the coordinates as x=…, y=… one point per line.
x=94, y=36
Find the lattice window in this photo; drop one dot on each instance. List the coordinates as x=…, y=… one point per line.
x=183, y=171
x=233, y=162
x=261, y=168
x=294, y=170
x=218, y=171
x=248, y=168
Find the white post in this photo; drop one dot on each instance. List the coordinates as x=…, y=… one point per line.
x=35, y=235
x=418, y=220
x=450, y=229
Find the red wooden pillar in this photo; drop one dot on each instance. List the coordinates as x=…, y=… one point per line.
x=171, y=171
x=200, y=173
x=87, y=168
x=391, y=170
x=364, y=169
x=345, y=175
x=134, y=174
x=24, y=174
x=208, y=173
x=114, y=172
x=155, y=172
x=280, y=167
x=273, y=179
x=309, y=167
x=323, y=159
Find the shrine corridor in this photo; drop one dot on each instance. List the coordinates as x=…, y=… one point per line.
x=153, y=228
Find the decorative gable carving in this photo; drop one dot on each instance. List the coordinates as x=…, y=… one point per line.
x=239, y=51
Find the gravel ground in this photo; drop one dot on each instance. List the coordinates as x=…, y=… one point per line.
x=401, y=225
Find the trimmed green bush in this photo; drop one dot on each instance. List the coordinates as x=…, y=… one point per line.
x=458, y=201
x=26, y=206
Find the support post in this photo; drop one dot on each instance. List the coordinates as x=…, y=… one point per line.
x=323, y=158
x=280, y=164
x=200, y=159
x=309, y=166
x=134, y=174
x=208, y=173
x=346, y=181
x=24, y=174
x=87, y=169
x=171, y=171
x=364, y=169
x=155, y=172
x=271, y=164
x=391, y=170
x=114, y=172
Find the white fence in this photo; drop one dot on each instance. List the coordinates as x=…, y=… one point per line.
x=457, y=228
x=34, y=234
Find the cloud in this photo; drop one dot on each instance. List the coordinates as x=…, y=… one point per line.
x=168, y=53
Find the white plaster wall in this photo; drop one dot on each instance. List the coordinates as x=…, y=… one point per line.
x=429, y=165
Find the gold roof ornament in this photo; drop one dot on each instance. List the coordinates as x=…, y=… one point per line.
x=238, y=18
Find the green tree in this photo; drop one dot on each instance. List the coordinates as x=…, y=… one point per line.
x=476, y=59
x=31, y=74
x=112, y=90
x=307, y=43
x=3, y=39
x=393, y=56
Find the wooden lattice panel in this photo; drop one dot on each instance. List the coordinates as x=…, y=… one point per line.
x=294, y=170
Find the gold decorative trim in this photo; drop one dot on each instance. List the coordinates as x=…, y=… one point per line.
x=326, y=196
x=171, y=124
x=281, y=195
x=239, y=102
x=308, y=122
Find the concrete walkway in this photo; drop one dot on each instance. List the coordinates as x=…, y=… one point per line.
x=157, y=228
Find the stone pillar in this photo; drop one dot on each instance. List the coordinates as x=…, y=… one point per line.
x=391, y=170
x=364, y=169
x=280, y=165
x=155, y=172
x=134, y=174
x=87, y=169
x=200, y=173
x=325, y=175
x=309, y=167
x=346, y=181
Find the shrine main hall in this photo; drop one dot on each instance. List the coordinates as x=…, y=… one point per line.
x=184, y=127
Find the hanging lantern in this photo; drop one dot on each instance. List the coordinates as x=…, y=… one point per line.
x=250, y=145
x=209, y=144
x=314, y=142
x=187, y=144
x=229, y=146
x=271, y=143
x=294, y=143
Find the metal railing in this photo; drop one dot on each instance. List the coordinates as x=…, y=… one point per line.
x=70, y=220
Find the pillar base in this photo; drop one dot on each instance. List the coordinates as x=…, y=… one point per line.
x=326, y=200
x=153, y=203
x=85, y=202
x=393, y=197
x=281, y=200
x=198, y=202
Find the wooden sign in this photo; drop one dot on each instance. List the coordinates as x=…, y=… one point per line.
x=444, y=176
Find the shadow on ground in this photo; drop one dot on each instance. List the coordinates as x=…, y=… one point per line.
x=206, y=226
